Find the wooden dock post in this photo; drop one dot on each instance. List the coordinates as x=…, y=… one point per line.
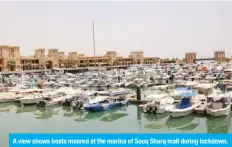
x=138, y=91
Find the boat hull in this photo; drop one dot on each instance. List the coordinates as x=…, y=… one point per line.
x=175, y=112
x=6, y=100
x=181, y=114
x=218, y=112
x=100, y=107
x=30, y=101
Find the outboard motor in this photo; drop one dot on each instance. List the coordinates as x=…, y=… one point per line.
x=77, y=105
x=67, y=103
x=41, y=104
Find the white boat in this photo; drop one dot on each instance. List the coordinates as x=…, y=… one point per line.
x=154, y=96
x=55, y=99
x=218, y=107
x=88, y=97
x=184, y=108
x=201, y=109
x=164, y=104
x=214, y=93
x=205, y=88
x=8, y=97
x=157, y=106
x=31, y=99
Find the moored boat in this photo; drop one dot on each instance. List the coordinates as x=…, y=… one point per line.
x=218, y=107
x=104, y=105
x=184, y=107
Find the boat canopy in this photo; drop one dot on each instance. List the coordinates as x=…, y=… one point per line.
x=183, y=89
x=187, y=94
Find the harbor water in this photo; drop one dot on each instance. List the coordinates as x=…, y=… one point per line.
x=130, y=119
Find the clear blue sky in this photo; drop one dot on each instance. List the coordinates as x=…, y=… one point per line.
x=164, y=29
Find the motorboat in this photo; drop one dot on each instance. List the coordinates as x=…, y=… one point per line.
x=219, y=107
x=157, y=106
x=31, y=99
x=201, y=109
x=184, y=107
x=205, y=88
x=106, y=104
x=87, y=97
x=8, y=97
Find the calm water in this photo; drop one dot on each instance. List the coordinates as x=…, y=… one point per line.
x=123, y=120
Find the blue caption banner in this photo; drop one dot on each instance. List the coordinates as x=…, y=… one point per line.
x=109, y=140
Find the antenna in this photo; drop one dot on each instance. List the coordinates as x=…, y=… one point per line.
x=93, y=39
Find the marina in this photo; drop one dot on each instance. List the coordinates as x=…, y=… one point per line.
x=169, y=98
x=109, y=73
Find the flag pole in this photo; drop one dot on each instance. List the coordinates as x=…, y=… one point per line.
x=93, y=41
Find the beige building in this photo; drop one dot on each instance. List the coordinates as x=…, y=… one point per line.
x=137, y=57
x=29, y=63
x=112, y=55
x=94, y=61
x=10, y=58
x=150, y=60
x=61, y=55
x=190, y=57
x=72, y=55
x=40, y=54
x=220, y=56
x=52, y=60
x=81, y=55
x=123, y=61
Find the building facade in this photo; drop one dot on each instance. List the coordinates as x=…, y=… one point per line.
x=11, y=60
x=137, y=57
x=190, y=57
x=218, y=56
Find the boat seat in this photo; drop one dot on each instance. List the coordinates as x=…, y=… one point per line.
x=185, y=103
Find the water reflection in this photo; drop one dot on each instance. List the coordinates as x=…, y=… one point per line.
x=106, y=116
x=25, y=109
x=46, y=113
x=218, y=124
x=155, y=117
x=6, y=107
x=113, y=116
x=157, y=120
x=186, y=123
x=148, y=122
